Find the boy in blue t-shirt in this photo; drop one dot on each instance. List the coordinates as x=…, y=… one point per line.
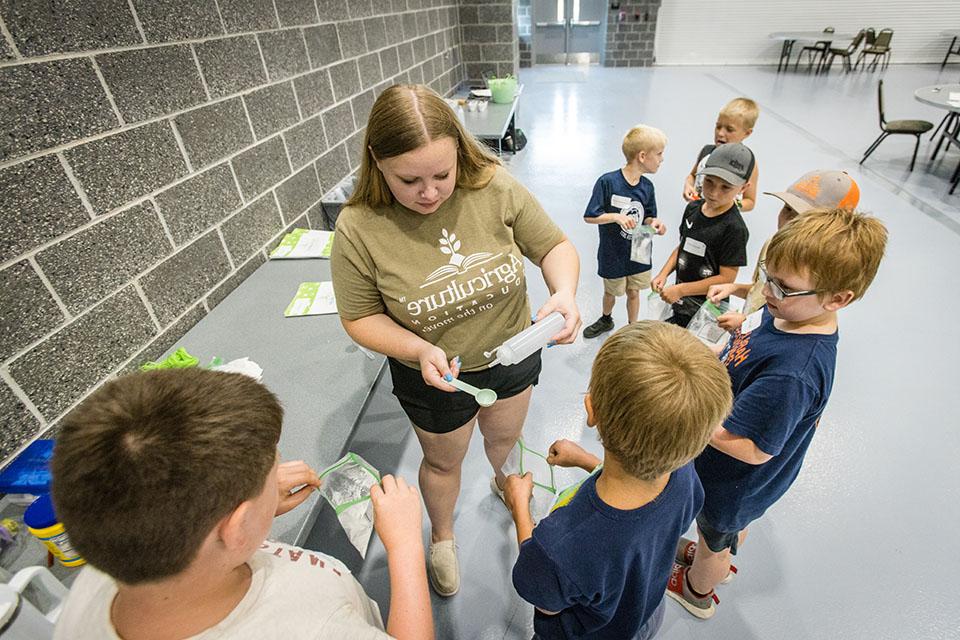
x=781, y=364
x=597, y=566
x=621, y=201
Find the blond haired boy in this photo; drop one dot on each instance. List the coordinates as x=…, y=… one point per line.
x=622, y=200
x=782, y=372
x=596, y=567
x=734, y=124
x=168, y=483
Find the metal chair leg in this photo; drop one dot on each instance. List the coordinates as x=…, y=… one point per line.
x=940, y=126
x=916, y=148
x=955, y=179
x=873, y=146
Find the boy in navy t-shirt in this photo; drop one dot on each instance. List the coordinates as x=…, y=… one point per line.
x=781, y=364
x=597, y=566
x=621, y=201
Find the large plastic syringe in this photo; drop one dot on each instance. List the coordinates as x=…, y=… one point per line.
x=525, y=343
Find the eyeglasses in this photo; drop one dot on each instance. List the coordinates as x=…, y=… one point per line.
x=777, y=289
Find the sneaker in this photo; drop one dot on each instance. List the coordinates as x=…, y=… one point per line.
x=687, y=548
x=443, y=568
x=679, y=590
x=497, y=491
x=604, y=324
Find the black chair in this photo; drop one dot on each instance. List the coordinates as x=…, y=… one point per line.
x=914, y=128
x=814, y=51
x=955, y=179
x=880, y=50
x=846, y=52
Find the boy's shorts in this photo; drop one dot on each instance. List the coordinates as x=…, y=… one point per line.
x=438, y=411
x=716, y=540
x=616, y=287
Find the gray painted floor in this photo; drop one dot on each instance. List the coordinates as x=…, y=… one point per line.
x=856, y=548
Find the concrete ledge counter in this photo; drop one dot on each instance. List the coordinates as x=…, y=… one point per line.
x=318, y=373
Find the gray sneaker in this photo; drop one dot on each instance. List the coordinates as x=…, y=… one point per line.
x=602, y=325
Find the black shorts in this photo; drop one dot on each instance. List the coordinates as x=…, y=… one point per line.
x=717, y=540
x=439, y=411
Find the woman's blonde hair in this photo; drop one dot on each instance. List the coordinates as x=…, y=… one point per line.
x=405, y=118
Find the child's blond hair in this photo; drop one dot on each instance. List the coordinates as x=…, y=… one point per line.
x=657, y=395
x=745, y=110
x=840, y=249
x=642, y=138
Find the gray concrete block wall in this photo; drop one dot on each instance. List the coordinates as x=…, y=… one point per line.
x=153, y=151
x=631, y=30
x=490, y=39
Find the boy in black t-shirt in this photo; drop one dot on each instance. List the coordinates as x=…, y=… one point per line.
x=713, y=236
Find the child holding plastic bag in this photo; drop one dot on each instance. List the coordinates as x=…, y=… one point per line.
x=168, y=482
x=598, y=565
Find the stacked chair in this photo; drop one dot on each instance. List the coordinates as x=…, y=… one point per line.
x=846, y=52
x=815, y=51
x=879, y=49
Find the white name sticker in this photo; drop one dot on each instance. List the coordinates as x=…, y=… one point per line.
x=694, y=246
x=619, y=202
x=752, y=322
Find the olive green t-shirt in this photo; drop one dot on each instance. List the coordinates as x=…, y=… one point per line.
x=454, y=277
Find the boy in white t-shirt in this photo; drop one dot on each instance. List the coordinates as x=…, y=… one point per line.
x=167, y=483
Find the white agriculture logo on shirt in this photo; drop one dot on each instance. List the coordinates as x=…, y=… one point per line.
x=460, y=296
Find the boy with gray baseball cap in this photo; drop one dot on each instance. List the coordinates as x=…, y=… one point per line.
x=713, y=236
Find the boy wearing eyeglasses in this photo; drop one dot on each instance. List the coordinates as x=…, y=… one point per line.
x=781, y=369
x=814, y=190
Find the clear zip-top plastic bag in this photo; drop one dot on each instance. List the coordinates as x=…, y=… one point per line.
x=346, y=487
x=522, y=459
x=641, y=247
x=657, y=309
x=704, y=323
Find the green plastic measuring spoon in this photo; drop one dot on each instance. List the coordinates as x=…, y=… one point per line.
x=484, y=397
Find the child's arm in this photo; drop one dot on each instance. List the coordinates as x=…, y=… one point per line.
x=690, y=183
x=750, y=193
x=596, y=213
x=698, y=287
x=742, y=448
x=517, y=493
x=668, y=267
x=564, y=453
x=626, y=222
x=397, y=519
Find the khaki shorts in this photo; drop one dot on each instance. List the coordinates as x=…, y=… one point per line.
x=618, y=286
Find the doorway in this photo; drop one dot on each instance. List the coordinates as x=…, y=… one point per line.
x=568, y=31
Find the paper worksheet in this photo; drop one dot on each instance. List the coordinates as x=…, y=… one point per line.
x=304, y=243
x=312, y=299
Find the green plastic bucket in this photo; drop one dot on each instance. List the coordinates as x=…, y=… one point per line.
x=502, y=90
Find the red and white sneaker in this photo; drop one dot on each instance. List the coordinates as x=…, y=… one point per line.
x=679, y=590
x=687, y=548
